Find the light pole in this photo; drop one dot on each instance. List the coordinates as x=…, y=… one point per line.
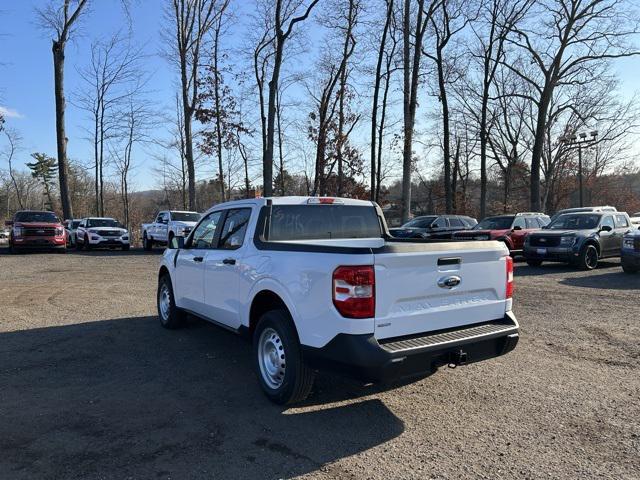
x=580, y=140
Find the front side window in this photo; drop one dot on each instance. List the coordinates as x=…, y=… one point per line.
x=607, y=222
x=420, y=222
x=235, y=227
x=441, y=222
x=520, y=222
x=205, y=233
x=495, y=223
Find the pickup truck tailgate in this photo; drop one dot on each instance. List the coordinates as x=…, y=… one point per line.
x=422, y=287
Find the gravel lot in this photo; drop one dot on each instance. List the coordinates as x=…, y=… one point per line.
x=92, y=387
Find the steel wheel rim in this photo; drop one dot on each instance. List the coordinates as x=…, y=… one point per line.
x=164, y=302
x=271, y=358
x=592, y=258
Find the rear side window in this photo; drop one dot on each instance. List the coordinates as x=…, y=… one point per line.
x=317, y=222
x=441, y=222
x=235, y=226
x=455, y=222
x=520, y=222
x=607, y=221
x=621, y=221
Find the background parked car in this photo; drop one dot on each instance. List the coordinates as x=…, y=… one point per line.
x=630, y=254
x=433, y=226
x=35, y=229
x=168, y=224
x=579, y=239
x=98, y=232
x=635, y=219
x=510, y=229
x=71, y=226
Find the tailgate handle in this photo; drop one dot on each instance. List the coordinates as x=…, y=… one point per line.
x=449, y=261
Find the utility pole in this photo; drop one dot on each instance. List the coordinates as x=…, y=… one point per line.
x=580, y=140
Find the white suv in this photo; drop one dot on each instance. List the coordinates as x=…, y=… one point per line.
x=100, y=232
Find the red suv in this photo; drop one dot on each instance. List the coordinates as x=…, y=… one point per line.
x=510, y=229
x=30, y=229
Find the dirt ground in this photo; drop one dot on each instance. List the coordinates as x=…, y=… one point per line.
x=92, y=387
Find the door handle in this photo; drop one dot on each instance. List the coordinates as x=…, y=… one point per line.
x=198, y=259
x=229, y=261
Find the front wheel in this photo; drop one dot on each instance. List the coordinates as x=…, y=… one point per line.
x=125, y=248
x=629, y=269
x=588, y=259
x=534, y=263
x=171, y=316
x=281, y=370
x=146, y=243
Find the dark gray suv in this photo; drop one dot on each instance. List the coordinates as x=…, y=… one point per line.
x=580, y=239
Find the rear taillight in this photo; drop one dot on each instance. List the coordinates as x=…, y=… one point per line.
x=509, y=289
x=354, y=291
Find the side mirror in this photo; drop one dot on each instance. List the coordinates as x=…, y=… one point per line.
x=8, y=223
x=606, y=228
x=177, y=243
x=517, y=227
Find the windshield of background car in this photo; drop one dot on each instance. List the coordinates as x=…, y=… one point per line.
x=74, y=224
x=495, y=223
x=316, y=222
x=569, y=221
x=420, y=222
x=185, y=217
x=36, y=217
x=102, y=222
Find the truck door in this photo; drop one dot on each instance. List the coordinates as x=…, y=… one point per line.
x=223, y=270
x=189, y=272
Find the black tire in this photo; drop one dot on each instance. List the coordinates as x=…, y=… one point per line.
x=146, y=243
x=588, y=259
x=629, y=269
x=125, y=248
x=173, y=317
x=297, y=379
x=87, y=245
x=13, y=250
x=534, y=263
x=78, y=244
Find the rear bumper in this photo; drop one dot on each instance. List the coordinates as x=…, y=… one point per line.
x=363, y=357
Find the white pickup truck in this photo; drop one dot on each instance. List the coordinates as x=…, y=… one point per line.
x=319, y=283
x=168, y=224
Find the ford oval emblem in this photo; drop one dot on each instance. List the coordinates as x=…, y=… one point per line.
x=449, y=282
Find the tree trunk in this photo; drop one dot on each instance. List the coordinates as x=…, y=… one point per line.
x=446, y=147
x=538, y=145
x=280, y=152
x=267, y=163
x=61, y=138
x=216, y=84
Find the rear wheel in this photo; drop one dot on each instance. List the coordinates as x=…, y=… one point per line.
x=534, y=263
x=87, y=245
x=171, y=317
x=278, y=362
x=588, y=259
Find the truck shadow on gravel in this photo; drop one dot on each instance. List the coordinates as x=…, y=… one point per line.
x=126, y=398
x=524, y=270
x=614, y=280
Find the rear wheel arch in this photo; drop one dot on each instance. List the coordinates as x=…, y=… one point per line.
x=263, y=302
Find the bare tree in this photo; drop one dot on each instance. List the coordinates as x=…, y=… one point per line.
x=568, y=42
x=191, y=23
x=7, y=154
x=410, y=87
x=448, y=19
x=61, y=21
x=283, y=11
x=114, y=64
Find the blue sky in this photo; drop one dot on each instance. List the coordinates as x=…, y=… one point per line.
x=26, y=76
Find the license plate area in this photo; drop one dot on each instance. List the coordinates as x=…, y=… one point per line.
x=541, y=251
